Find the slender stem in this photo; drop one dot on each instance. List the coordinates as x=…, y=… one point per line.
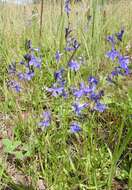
x=41, y=18
x=61, y=7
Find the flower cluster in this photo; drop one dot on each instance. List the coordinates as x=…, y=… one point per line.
x=123, y=61
x=58, y=88
x=67, y=7
x=31, y=61
x=58, y=56
x=46, y=121
x=92, y=98
x=87, y=96
x=90, y=93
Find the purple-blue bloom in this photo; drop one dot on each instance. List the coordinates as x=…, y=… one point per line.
x=15, y=85
x=92, y=80
x=96, y=97
x=64, y=94
x=61, y=82
x=22, y=62
x=100, y=107
x=21, y=76
x=68, y=48
x=46, y=119
x=119, y=35
x=78, y=93
x=89, y=89
x=29, y=75
x=58, y=74
x=124, y=61
x=111, y=39
x=44, y=124
x=77, y=108
x=74, y=65
x=56, y=91
x=36, y=62
x=72, y=44
x=67, y=7
x=75, y=44
x=27, y=57
x=117, y=71
x=58, y=56
x=85, y=90
x=112, y=54
x=75, y=128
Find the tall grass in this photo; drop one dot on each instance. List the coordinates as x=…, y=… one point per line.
x=100, y=157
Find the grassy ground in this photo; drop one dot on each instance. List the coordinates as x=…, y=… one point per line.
x=98, y=157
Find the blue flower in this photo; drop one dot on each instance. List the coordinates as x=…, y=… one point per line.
x=75, y=128
x=22, y=62
x=44, y=124
x=124, y=61
x=100, y=107
x=74, y=65
x=119, y=35
x=89, y=89
x=64, y=94
x=29, y=75
x=67, y=7
x=78, y=93
x=56, y=91
x=46, y=119
x=27, y=57
x=111, y=39
x=21, y=76
x=85, y=90
x=117, y=71
x=72, y=45
x=92, y=80
x=61, y=82
x=112, y=54
x=68, y=48
x=75, y=44
x=58, y=74
x=58, y=56
x=96, y=97
x=36, y=62
x=15, y=85
x=77, y=108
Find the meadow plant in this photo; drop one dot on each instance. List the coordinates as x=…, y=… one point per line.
x=123, y=61
x=72, y=105
x=28, y=65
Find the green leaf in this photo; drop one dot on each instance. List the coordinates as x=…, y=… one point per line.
x=10, y=146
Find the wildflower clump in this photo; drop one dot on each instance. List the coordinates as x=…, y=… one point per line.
x=122, y=61
x=83, y=96
x=24, y=71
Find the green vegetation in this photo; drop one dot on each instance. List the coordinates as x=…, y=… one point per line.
x=99, y=156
